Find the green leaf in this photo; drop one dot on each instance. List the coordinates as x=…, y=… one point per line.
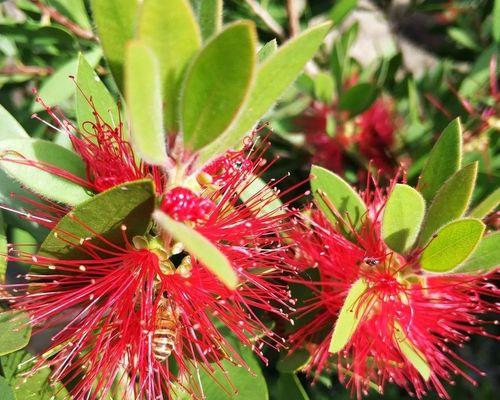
x=489, y=204
x=280, y=68
x=6, y=392
x=450, y=201
x=201, y=248
x=413, y=102
x=341, y=9
x=338, y=192
x=115, y=21
x=59, y=87
x=324, y=87
x=464, y=38
x=90, y=87
x=74, y=9
x=143, y=95
x=269, y=202
x=412, y=354
x=44, y=183
x=15, y=331
x=358, y=98
x=39, y=387
x=349, y=316
x=249, y=385
x=294, y=362
x=479, y=75
x=496, y=21
x=403, y=215
x=210, y=17
x=452, y=244
x=485, y=257
x=267, y=50
x=169, y=28
x=14, y=363
x=10, y=190
x=444, y=160
x=340, y=59
x=129, y=204
x=288, y=386
x=9, y=126
x=217, y=84
x=3, y=249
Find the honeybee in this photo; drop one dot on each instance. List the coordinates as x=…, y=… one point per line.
x=166, y=331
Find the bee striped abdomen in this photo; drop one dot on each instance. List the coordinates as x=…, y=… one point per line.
x=165, y=333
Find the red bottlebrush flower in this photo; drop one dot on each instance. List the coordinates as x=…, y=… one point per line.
x=108, y=155
x=327, y=150
x=149, y=314
x=402, y=313
x=183, y=204
x=225, y=168
x=376, y=136
x=132, y=313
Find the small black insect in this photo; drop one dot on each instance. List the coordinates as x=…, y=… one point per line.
x=371, y=261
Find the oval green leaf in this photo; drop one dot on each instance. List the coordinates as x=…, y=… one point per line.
x=358, y=98
x=294, y=362
x=10, y=128
x=91, y=88
x=450, y=201
x=115, y=21
x=269, y=202
x=6, y=392
x=170, y=30
x=210, y=17
x=14, y=363
x=403, y=215
x=143, y=95
x=245, y=385
x=288, y=386
x=59, y=87
x=3, y=249
x=324, y=87
x=10, y=190
x=444, y=160
x=39, y=387
x=485, y=257
x=452, y=244
x=217, y=84
x=15, y=331
x=130, y=204
x=328, y=187
x=281, y=68
x=267, y=50
x=349, y=317
x=201, y=248
x=341, y=9
x=486, y=206
x=411, y=353
x=44, y=183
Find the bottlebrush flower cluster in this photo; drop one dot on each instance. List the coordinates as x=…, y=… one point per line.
x=144, y=311
x=406, y=323
x=373, y=132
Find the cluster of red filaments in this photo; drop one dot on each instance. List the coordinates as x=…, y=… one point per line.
x=108, y=300
x=103, y=146
x=373, y=132
x=432, y=313
x=183, y=204
x=144, y=312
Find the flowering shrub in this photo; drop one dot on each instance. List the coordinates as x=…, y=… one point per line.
x=159, y=241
